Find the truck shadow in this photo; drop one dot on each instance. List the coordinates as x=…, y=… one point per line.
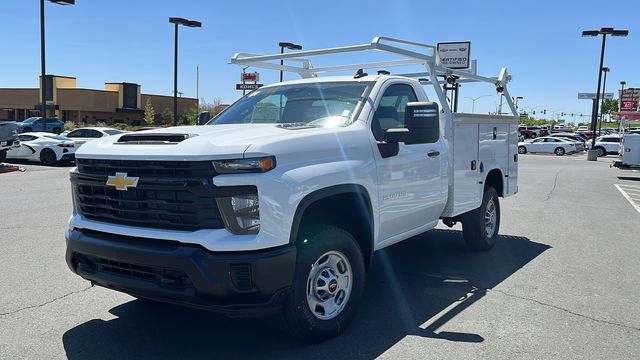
x=413, y=289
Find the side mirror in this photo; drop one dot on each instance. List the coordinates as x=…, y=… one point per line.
x=422, y=120
x=203, y=117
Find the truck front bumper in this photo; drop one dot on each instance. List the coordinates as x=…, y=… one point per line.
x=250, y=283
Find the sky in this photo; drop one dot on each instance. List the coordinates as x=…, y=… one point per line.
x=100, y=41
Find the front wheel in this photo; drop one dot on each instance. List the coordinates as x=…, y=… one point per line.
x=559, y=151
x=480, y=226
x=57, y=131
x=522, y=150
x=327, y=286
x=601, y=151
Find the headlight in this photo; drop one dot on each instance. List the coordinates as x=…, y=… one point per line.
x=250, y=165
x=241, y=213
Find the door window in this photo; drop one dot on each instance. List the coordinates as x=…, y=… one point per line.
x=80, y=133
x=390, y=112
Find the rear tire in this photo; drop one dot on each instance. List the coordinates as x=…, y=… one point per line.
x=559, y=151
x=57, y=131
x=522, y=150
x=327, y=286
x=480, y=226
x=48, y=157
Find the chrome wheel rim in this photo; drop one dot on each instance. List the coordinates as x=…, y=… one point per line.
x=600, y=152
x=329, y=285
x=521, y=150
x=558, y=151
x=490, y=217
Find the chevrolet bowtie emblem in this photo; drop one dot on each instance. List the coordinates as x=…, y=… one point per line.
x=121, y=182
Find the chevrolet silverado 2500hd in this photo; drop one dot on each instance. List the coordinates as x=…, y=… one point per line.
x=278, y=203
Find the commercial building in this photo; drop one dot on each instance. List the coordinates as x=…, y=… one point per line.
x=116, y=103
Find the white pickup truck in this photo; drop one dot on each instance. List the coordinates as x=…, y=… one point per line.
x=279, y=203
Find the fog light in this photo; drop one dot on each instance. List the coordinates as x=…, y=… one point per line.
x=241, y=213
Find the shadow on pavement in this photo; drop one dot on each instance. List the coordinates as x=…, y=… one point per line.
x=413, y=288
x=39, y=164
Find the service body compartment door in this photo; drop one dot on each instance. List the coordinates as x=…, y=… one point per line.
x=494, y=150
x=465, y=168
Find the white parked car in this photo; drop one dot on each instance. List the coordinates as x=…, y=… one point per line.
x=82, y=135
x=47, y=148
x=608, y=144
x=548, y=144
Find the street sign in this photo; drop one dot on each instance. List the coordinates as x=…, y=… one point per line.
x=248, y=86
x=454, y=55
x=592, y=96
x=249, y=77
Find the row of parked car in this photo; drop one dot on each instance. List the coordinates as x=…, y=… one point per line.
x=50, y=148
x=570, y=143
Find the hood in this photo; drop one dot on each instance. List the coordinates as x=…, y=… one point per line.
x=208, y=142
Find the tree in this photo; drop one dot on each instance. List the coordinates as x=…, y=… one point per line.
x=167, y=116
x=149, y=113
x=609, y=106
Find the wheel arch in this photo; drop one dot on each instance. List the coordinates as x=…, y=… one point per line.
x=354, y=214
x=495, y=178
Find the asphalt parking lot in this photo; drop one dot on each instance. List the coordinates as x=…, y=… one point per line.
x=563, y=282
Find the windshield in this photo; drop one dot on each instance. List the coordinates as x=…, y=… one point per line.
x=30, y=120
x=113, y=132
x=329, y=104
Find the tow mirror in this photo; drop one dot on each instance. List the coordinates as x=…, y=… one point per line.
x=422, y=121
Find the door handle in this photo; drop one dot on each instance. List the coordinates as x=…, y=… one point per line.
x=433, y=153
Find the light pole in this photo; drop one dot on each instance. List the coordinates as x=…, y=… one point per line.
x=473, y=104
x=605, y=70
x=42, y=59
x=189, y=23
x=289, y=46
x=622, y=84
x=594, y=112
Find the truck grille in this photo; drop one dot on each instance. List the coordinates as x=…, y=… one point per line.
x=151, y=168
x=169, y=195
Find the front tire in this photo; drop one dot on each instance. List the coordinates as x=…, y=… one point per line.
x=57, y=131
x=601, y=151
x=559, y=151
x=480, y=226
x=48, y=157
x=522, y=150
x=328, y=284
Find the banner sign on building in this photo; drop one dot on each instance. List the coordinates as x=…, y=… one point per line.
x=629, y=99
x=454, y=55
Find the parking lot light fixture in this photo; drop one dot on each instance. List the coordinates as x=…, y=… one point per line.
x=594, y=112
x=188, y=23
x=289, y=46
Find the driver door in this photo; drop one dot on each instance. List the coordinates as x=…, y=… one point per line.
x=411, y=188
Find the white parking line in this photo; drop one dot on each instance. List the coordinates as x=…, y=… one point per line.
x=631, y=193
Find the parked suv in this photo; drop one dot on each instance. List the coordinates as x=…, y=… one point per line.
x=608, y=144
x=35, y=124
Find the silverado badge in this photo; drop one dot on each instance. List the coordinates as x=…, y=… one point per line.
x=121, y=182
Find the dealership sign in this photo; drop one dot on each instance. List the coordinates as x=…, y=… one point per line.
x=248, y=86
x=249, y=77
x=592, y=96
x=629, y=99
x=629, y=105
x=454, y=55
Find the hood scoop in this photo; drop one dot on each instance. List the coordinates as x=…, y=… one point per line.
x=154, y=138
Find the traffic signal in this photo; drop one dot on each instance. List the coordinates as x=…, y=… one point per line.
x=544, y=111
x=561, y=114
x=534, y=112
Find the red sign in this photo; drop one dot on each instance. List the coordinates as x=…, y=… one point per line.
x=628, y=105
x=248, y=86
x=249, y=77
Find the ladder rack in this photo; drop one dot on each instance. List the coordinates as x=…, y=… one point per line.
x=408, y=52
